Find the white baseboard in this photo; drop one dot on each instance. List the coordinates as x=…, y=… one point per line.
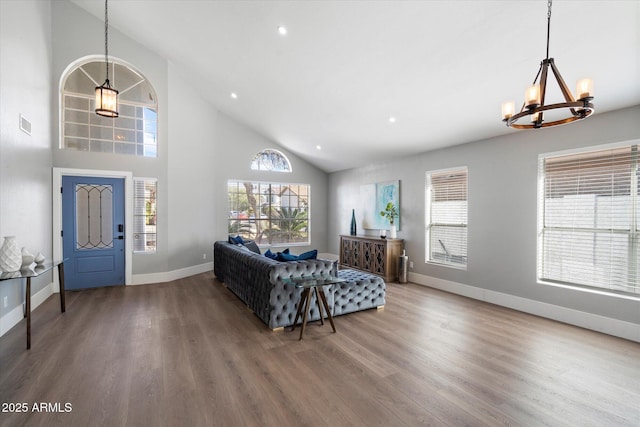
x=13, y=317
x=167, y=276
x=607, y=325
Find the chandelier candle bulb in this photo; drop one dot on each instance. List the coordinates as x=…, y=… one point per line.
x=534, y=117
x=508, y=109
x=532, y=96
x=584, y=89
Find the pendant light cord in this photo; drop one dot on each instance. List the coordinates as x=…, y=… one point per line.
x=548, y=24
x=106, y=38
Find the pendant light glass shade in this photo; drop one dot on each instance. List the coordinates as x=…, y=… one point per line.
x=106, y=100
x=106, y=96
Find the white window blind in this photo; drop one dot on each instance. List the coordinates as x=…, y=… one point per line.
x=589, y=219
x=446, y=217
x=144, y=214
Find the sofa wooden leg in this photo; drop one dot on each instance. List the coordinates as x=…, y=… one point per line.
x=380, y=307
x=281, y=328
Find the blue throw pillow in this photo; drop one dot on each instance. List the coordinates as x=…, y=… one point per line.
x=236, y=240
x=270, y=254
x=308, y=255
x=286, y=257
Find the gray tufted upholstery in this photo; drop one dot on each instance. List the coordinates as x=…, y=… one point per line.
x=359, y=292
x=258, y=282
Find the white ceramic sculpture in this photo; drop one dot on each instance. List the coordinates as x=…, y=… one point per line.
x=39, y=259
x=27, y=258
x=10, y=256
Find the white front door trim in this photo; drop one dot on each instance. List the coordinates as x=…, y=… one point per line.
x=58, y=173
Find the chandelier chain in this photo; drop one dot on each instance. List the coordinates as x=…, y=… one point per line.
x=549, y=3
x=106, y=38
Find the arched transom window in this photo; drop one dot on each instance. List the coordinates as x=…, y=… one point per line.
x=271, y=160
x=134, y=132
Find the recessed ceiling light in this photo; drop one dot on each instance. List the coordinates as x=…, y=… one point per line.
x=318, y=147
x=282, y=30
x=392, y=119
x=234, y=95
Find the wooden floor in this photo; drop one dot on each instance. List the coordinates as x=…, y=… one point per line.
x=189, y=353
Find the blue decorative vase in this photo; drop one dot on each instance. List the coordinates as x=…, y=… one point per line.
x=353, y=222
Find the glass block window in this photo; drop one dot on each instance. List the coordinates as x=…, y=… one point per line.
x=271, y=160
x=446, y=217
x=589, y=216
x=269, y=213
x=145, y=191
x=133, y=133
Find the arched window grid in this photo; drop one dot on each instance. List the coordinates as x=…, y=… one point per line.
x=134, y=132
x=271, y=160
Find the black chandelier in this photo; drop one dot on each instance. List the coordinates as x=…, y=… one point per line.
x=106, y=96
x=534, y=105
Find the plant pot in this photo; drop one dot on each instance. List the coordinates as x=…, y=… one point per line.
x=393, y=232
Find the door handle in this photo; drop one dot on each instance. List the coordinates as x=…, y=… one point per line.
x=120, y=237
x=120, y=228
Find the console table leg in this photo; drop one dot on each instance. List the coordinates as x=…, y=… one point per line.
x=27, y=303
x=61, y=280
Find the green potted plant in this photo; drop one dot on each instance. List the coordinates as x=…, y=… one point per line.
x=391, y=212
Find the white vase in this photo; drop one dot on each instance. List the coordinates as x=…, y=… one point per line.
x=393, y=232
x=10, y=256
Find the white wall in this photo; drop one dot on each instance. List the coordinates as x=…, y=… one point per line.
x=237, y=145
x=199, y=150
x=193, y=156
x=25, y=160
x=502, y=242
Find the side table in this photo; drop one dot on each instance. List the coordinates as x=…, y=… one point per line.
x=308, y=285
x=28, y=273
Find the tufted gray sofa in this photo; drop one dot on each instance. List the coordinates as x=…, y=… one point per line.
x=259, y=282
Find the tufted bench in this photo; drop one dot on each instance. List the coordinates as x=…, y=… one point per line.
x=360, y=292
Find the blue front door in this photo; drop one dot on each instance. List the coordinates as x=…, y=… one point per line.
x=93, y=231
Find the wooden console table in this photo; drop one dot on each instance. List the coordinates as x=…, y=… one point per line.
x=371, y=254
x=28, y=273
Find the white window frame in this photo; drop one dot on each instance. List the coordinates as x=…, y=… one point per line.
x=127, y=133
x=258, y=165
x=140, y=214
x=235, y=217
x=448, y=258
x=633, y=232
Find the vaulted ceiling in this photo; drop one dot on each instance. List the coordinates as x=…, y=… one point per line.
x=441, y=69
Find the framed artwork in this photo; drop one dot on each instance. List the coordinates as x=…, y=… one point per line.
x=373, y=199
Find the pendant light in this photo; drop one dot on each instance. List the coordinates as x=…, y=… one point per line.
x=106, y=96
x=534, y=103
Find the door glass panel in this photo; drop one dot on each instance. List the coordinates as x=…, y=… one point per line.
x=94, y=216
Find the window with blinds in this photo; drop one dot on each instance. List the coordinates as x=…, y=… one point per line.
x=446, y=217
x=144, y=214
x=588, y=219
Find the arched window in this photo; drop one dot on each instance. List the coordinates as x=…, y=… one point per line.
x=81, y=129
x=270, y=160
